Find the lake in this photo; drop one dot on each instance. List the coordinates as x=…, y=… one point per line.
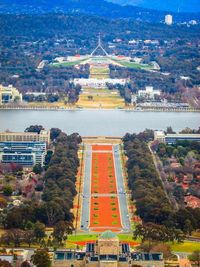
x=98, y=122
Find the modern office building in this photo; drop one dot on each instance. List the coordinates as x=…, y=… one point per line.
x=107, y=251
x=168, y=19
x=26, y=154
x=43, y=136
x=173, y=138
x=9, y=94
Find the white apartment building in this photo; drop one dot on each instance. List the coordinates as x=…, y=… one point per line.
x=168, y=19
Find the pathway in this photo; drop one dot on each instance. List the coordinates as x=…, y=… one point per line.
x=121, y=190
x=86, y=189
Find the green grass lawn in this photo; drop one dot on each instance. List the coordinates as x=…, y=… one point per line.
x=135, y=65
x=185, y=247
x=88, y=237
x=67, y=64
x=132, y=64
x=82, y=237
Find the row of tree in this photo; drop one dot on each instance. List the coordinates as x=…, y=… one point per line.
x=36, y=234
x=59, y=187
x=151, y=200
x=60, y=179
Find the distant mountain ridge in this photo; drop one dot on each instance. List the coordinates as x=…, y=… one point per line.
x=103, y=8
x=166, y=5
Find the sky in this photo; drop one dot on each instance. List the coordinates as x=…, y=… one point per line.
x=172, y=5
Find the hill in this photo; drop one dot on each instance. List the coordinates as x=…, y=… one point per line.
x=96, y=7
x=84, y=27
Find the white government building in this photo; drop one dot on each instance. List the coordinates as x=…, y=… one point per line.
x=9, y=94
x=97, y=83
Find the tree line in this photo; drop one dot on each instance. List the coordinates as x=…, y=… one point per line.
x=152, y=203
x=59, y=188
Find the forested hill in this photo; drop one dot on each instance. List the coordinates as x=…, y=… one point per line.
x=95, y=7
x=84, y=27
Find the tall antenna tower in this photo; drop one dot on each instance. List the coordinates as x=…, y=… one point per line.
x=179, y=5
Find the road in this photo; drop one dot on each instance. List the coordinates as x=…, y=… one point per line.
x=121, y=190
x=85, y=214
x=183, y=259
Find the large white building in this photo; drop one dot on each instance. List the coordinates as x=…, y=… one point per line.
x=97, y=83
x=168, y=19
x=149, y=92
x=9, y=94
x=43, y=136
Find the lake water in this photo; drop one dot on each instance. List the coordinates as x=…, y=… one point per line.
x=98, y=122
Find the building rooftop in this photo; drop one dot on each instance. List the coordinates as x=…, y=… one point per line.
x=184, y=135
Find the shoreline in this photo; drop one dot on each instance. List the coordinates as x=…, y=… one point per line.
x=100, y=109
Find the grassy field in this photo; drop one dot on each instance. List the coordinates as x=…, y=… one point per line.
x=101, y=98
x=185, y=247
x=67, y=64
x=132, y=65
x=99, y=73
x=135, y=65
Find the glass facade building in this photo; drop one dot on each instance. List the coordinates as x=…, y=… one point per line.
x=173, y=138
x=23, y=153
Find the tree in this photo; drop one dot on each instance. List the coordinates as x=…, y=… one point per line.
x=14, y=218
x=54, y=212
x=29, y=237
x=48, y=157
x=4, y=263
x=153, y=232
x=195, y=257
x=6, y=239
x=34, y=129
x=3, y=203
x=29, y=225
x=54, y=133
x=37, y=169
x=41, y=258
x=170, y=130
x=25, y=264
x=188, y=228
x=39, y=230
x=7, y=190
x=61, y=229
x=16, y=236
